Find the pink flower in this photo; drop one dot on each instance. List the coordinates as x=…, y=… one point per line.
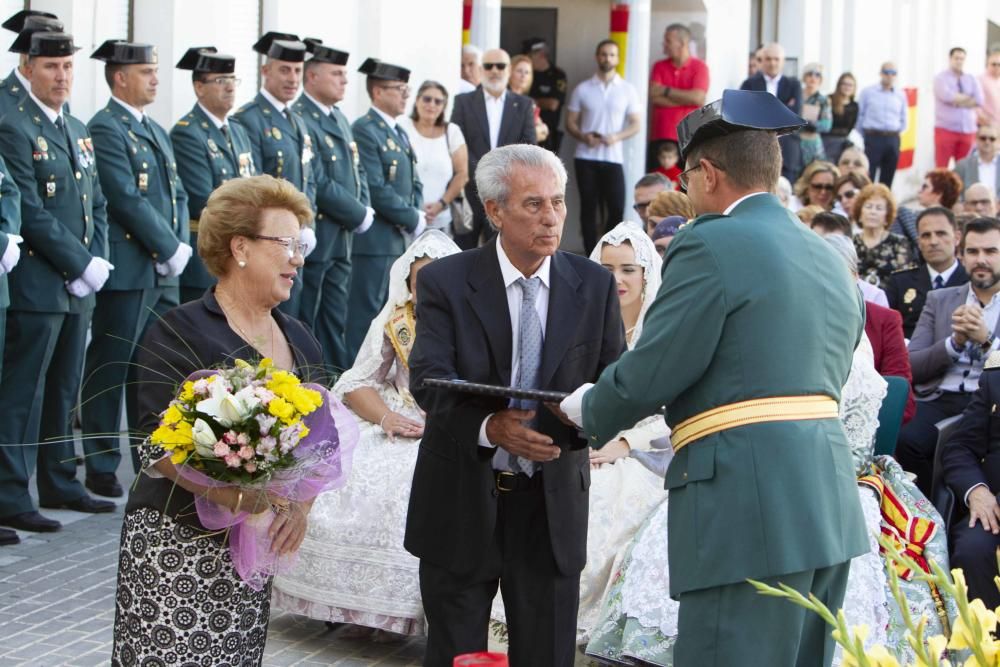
x=250, y=466
x=201, y=387
x=246, y=452
x=221, y=449
x=229, y=437
x=233, y=460
x=243, y=440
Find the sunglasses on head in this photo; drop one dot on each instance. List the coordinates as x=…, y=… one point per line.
x=821, y=186
x=499, y=66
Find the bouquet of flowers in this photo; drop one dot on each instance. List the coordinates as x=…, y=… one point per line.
x=255, y=426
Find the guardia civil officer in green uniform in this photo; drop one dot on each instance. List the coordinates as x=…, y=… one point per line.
x=281, y=143
x=148, y=230
x=62, y=264
x=342, y=201
x=395, y=192
x=24, y=23
x=747, y=344
x=210, y=150
x=10, y=254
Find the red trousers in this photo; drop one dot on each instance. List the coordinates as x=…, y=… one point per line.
x=948, y=144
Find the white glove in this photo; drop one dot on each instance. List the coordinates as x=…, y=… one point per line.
x=175, y=265
x=421, y=224
x=307, y=239
x=96, y=273
x=366, y=224
x=79, y=288
x=572, y=405
x=11, y=255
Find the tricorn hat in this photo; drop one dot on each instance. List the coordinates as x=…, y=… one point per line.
x=737, y=111
x=34, y=24
x=325, y=54
x=16, y=22
x=52, y=45
x=377, y=69
x=207, y=59
x=120, y=52
x=281, y=46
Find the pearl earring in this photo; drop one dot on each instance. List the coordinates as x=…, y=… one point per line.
x=241, y=264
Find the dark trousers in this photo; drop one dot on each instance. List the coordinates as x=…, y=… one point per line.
x=975, y=551
x=791, y=157
x=653, y=150
x=716, y=627
x=325, y=291
x=602, y=198
x=918, y=438
x=883, y=156
x=368, y=292
x=120, y=322
x=43, y=359
x=540, y=602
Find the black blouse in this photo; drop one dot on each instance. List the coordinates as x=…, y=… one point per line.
x=844, y=123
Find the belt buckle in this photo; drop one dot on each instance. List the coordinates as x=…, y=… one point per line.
x=506, y=474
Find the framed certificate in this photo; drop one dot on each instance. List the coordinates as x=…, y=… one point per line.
x=539, y=395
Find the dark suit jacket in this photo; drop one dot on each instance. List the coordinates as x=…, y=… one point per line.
x=464, y=331
x=907, y=291
x=517, y=126
x=929, y=357
x=789, y=89
x=972, y=454
x=884, y=327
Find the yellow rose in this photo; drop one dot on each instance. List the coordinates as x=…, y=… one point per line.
x=281, y=409
x=172, y=415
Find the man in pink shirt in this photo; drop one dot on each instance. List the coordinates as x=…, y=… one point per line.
x=956, y=98
x=677, y=86
x=989, y=113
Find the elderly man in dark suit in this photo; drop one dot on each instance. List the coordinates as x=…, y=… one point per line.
x=787, y=89
x=490, y=116
x=500, y=490
x=954, y=336
x=971, y=460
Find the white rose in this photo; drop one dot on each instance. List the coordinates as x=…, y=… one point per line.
x=204, y=438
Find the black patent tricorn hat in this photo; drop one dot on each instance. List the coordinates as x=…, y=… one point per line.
x=377, y=69
x=737, y=111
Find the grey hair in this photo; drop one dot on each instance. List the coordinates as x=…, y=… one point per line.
x=473, y=50
x=845, y=248
x=495, y=170
x=654, y=178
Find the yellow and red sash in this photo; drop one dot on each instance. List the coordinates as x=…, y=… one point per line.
x=401, y=330
x=911, y=534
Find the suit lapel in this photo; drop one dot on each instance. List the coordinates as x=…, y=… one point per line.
x=958, y=276
x=488, y=298
x=479, y=104
x=510, y=107
x=565, y=307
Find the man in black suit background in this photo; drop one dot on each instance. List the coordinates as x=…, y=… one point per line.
x=490, y=116
x=938, y=238
x=769, y=78
x=500, y=491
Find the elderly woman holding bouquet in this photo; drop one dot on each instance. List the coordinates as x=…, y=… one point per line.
x=221, y=497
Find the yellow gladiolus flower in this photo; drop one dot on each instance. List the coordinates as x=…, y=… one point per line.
x=879, y=656
x=281, y=409
x=984, y=618
x=936, y=645
x=172, y=415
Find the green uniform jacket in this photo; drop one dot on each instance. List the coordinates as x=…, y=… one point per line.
x=63, y=211
x=752, y=305
x=395, y=190
x=11, y=92
x=206, y=160
x=342, y=184
x=278, y=149
x=147, y=204
x=10, y=223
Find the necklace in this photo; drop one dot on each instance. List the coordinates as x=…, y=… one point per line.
x=255, y=342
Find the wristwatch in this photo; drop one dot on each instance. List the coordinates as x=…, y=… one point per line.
x=988, y=343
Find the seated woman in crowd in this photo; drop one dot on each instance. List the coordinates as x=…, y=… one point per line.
x=941, y=187
x=815, y=185
x=816, y=110
x=845, y=189
x=667, y=203
x=521, y=76
x=623, y=486
x=844, y=113
x=638, y=620
x=880, y=252
x=442, y=156
x=352, y=566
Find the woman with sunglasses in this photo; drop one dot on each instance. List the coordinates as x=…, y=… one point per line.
x=442, y=157
x=816, y=185
x=880, y=251
x=845, y=189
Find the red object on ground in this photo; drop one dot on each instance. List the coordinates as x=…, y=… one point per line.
x=485, y=659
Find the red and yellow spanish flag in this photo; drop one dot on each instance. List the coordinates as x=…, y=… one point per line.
x=908, y=140
x=466, y=21
x=619, y=33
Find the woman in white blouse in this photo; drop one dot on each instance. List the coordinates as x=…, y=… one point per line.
x=442, y=157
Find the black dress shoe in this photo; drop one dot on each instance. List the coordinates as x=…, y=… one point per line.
x=32, y=522
x=8, y=537
x=105, y=484
x=83, y=504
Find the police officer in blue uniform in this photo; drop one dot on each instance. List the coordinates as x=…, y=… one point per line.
x=210, y=150
x=341, y=200
x=281, y=143
x=62, y=264
x=148, y=230
x=25, y=23
x=395, y=190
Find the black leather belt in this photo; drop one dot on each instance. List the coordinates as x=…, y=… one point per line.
x=510, y=481
x=880, y=133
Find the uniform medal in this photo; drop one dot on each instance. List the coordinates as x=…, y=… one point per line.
x=910, y=295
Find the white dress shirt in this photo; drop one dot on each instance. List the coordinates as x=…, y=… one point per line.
x=604, y=108
x=772, y=84
x=988, y=173
x=494, y=116
x=510, y=276
x=945, y=275
x=279, y=105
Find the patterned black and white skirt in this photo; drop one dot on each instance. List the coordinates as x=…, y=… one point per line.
x=179, y=600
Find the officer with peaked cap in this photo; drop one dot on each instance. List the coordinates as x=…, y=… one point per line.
x=25, y=23
x=148, y=229
x=342, y=201
x=62, y=264
x=282, y=146
x=395, y=190
x=210, y=150
x=762, y=482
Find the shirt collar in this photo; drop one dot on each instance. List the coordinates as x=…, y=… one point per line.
x=23, y=79
x=280, y=106
x=729, y=209
x=489, y=97
x=212, y=117
x=49, y=112
x=138, y=115
x=945, y=275
x=511, y=274
x=993, y=161
x=972, y=299
x=390, y=121
x=612, y=81
x=771, y=79
x=322, y=107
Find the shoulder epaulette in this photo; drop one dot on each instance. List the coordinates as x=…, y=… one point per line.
x=905, y=269
x=993, y=361
x=183, y=123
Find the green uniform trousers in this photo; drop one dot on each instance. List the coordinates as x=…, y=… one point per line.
x=43, y=359
x=735, y=625
x=369, y=290
x=324, y=308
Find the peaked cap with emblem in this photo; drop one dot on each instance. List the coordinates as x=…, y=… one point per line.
x=324, y=54
x=34, y=24
x=120, y=52
x=737, y=111
x=377, y=69
x=18, y=21
x=208, y=60
x=533, y=44
x=281, y=46
x=52, y=45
